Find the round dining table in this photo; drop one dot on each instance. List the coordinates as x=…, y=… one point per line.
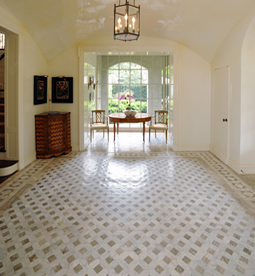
x=117, y=118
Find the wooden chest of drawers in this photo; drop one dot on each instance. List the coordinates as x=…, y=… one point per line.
x=53, y=135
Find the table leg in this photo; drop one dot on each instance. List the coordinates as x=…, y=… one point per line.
x=113, y=131
x=143, y=131
x=117, y=127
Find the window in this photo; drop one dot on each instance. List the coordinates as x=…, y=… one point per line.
x=127, y=79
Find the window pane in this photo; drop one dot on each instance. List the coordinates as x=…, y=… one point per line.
x=113, y=106
x=124, y=76
x=102, y=104
x=135, y=62
x=113, y=91
x=157, y=62
x=123, y=88
x=102, y=62
x=156, y=91
x=113, y=62
x=135, y=76
x=140, y=105
x=119, y=74
x=145, y=76
x=103, y=77
x=124, y=65
x=137, y=91
x=102, y=91
x=156, y=105
x=147, y=61
x=156, y=77
x=113, y=76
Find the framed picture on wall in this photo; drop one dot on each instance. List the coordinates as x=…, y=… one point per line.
x=62, y=89
x=40, y=89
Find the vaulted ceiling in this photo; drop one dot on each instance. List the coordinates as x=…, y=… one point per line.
x=57, y=25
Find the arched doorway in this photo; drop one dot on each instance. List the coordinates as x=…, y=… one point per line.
x=90, y=59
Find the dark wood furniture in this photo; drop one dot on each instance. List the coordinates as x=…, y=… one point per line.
x=53, y=136
x=121, y=118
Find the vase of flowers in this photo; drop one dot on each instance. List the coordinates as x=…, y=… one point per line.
x=128, y=97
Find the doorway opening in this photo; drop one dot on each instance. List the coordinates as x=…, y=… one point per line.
x=148, y=77
x=9, y=86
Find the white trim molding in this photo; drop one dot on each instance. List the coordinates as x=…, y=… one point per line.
x=241, y=169
x=198, y=147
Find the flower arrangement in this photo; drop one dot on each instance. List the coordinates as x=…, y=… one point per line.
x=128, y=97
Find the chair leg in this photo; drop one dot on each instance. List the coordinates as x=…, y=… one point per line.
x=103, y=133
x=166, y=136
x=149, y=135
x=155, y=133
x=108, y=134
x=91, y=135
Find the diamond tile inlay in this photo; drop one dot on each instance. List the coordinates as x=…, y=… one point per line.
x=156, y=213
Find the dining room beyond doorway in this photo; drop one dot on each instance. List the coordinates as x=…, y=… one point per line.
x=141, y=81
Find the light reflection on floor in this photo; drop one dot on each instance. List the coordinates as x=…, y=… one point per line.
x=127, y=208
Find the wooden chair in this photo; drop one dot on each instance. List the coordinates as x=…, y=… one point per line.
x=160, y=122
x=98, y=121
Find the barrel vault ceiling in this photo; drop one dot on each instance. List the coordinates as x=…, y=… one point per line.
x=200, y=25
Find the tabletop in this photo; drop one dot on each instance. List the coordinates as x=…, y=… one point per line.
x=121, y=117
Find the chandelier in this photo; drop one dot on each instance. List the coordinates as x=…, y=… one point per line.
x=126, y=21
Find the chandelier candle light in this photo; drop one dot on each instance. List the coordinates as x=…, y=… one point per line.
x=129, y=15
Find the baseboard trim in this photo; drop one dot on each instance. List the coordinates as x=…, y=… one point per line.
x=235, y=166
x=219, y=155
x=29, y=159
x=241, y=169
x=75, y=147
x=191, y=147
x=247, y=169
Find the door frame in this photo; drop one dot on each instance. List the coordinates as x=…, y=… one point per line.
x=14, y=142
x=222, y=157
x=83, y=92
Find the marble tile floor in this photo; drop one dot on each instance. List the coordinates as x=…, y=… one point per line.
x=127, y=208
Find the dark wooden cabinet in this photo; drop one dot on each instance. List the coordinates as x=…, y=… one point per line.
x=53, y=135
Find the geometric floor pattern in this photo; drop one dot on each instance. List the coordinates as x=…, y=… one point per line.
x=127, y=213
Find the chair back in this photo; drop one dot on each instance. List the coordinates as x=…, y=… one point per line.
x=161, y=117
x=98, y=116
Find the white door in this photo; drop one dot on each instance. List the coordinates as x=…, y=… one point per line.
x=220, y=111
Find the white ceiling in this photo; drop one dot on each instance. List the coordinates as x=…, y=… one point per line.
x=57, y=25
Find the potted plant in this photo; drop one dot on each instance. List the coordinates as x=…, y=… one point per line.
x=129, y=98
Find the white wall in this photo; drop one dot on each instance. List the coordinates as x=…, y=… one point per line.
x=229, y=53
x=66, y=65
x=247, y=148
x=193, y=126
x=194, y=96
x=33, y=64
